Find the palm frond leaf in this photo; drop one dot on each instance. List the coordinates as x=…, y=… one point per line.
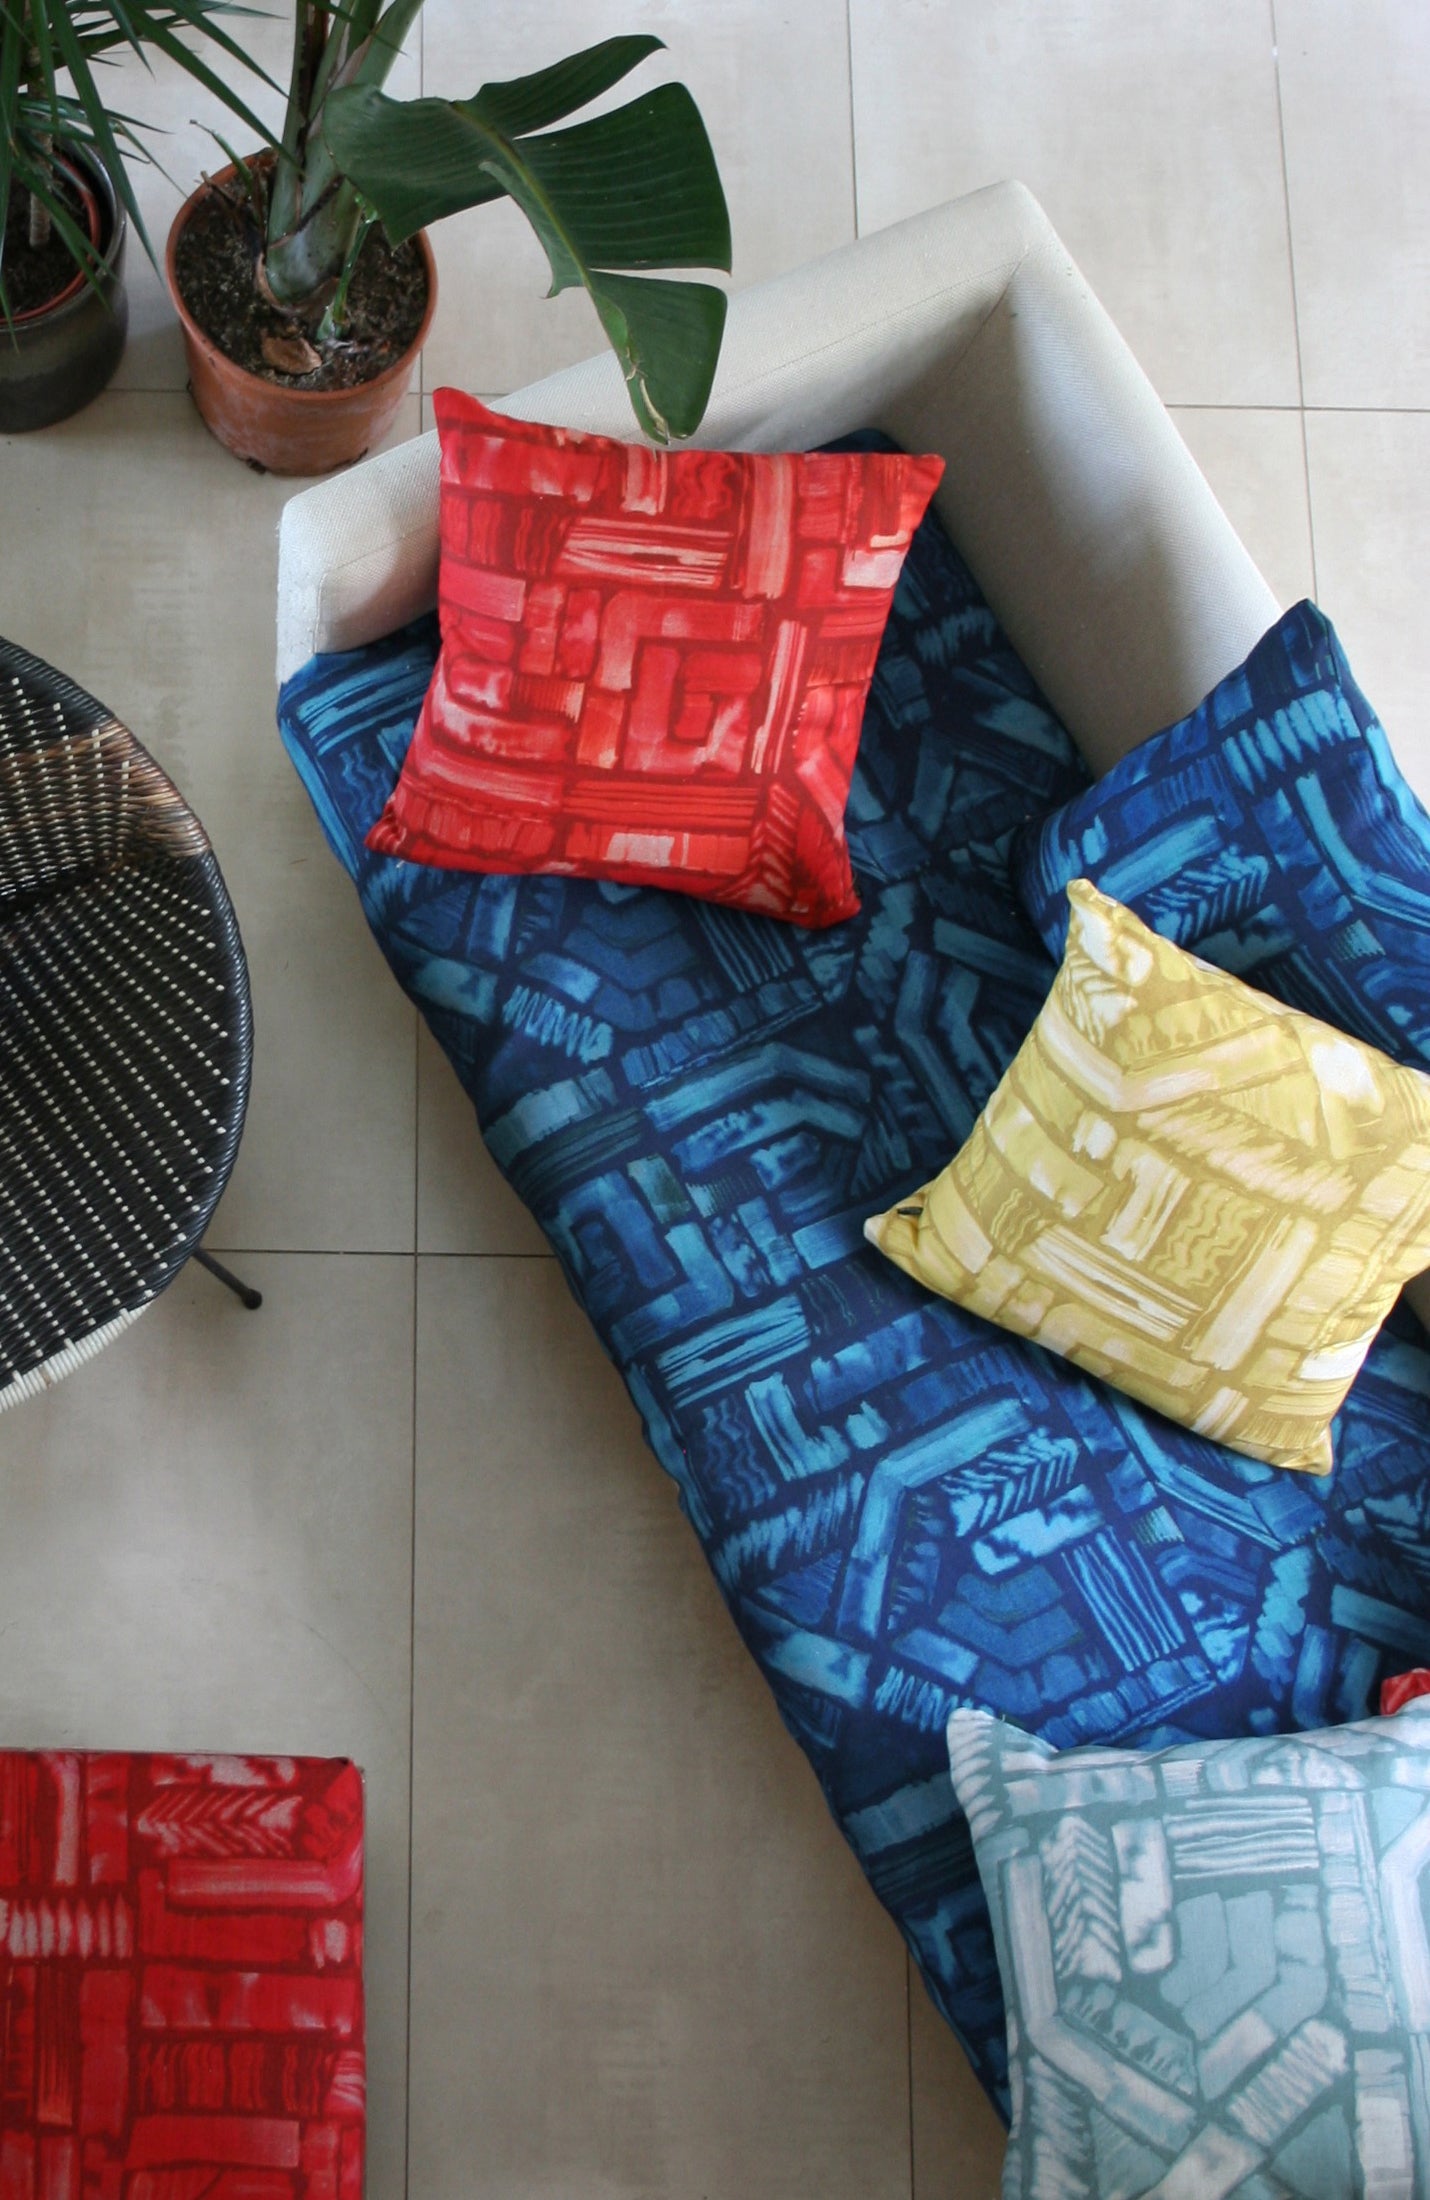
x=43, y=41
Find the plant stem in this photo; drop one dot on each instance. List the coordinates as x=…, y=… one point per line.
x=316, y=223
x=335, y=317
x=309, y=34
x=37, y=235
x=317, y=250
x=40, y=224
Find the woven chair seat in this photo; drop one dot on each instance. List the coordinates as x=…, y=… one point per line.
x=125, y=1027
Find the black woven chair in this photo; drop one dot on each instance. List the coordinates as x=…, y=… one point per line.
x=126, y=1034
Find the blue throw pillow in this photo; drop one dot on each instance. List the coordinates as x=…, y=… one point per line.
x=1272, y=833
x=1214, y=1959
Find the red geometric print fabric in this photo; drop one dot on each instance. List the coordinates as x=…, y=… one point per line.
x=1403, y=1688
x=654, y=663
x=181, y=2009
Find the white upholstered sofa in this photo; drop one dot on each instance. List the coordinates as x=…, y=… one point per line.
x=1127, y=594
x=967, y=330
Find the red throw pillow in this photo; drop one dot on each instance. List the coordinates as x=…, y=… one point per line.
x=654, y=663
x=181, y=1994
x=1403, y=1688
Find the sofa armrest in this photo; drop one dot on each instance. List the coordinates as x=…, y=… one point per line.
x=966, y=330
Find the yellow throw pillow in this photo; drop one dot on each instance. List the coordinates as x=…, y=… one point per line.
x=1206, y=1198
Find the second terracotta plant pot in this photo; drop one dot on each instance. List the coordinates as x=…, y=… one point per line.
x=289, y=431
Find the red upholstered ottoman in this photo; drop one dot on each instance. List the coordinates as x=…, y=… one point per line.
x=181, y=2003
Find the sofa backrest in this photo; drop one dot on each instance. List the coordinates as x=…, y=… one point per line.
x=967, y=330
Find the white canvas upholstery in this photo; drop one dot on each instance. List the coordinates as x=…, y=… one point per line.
x=967, y=330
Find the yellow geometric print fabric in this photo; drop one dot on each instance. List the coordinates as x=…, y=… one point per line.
x=1206, y=1198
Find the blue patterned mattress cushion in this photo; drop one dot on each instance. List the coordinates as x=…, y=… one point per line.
x=905, y=1508
x=1272, y=832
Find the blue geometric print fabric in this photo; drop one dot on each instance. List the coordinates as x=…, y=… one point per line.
x=1215, y=1958
x=905, y=1508
x=1272, y=832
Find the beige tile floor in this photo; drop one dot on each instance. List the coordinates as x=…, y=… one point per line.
x=617, y=1948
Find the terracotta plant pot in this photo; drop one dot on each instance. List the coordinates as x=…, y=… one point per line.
x=289, y=431
x=61, y=354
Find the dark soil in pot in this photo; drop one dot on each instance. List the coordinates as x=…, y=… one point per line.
x=37, y=276
x=215, y=266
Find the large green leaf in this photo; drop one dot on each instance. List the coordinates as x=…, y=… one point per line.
x=637, y=188
x=631, y=190
x=548, y=95
x=667, y=338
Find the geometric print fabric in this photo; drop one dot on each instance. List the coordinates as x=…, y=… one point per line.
x=654, y=663
x=905, y=1508
x=1192, y=1191
x=181, y=1999
x=1215, y=1960
x=1270, y=831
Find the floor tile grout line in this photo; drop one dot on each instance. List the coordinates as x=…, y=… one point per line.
x=422, y=94
x=909, y=2065
x=1286, y=202
x=1170, y=404
x=1181, y=404
x=358, y=1252
x=416, y=1144
x=416, y=1276
x=853, y=117
x=1295, y=294
x=411, y=1765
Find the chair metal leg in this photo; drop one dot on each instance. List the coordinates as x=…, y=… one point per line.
x=252, y=1299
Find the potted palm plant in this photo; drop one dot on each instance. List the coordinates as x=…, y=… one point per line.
x=304, y=282
x=65, y=192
